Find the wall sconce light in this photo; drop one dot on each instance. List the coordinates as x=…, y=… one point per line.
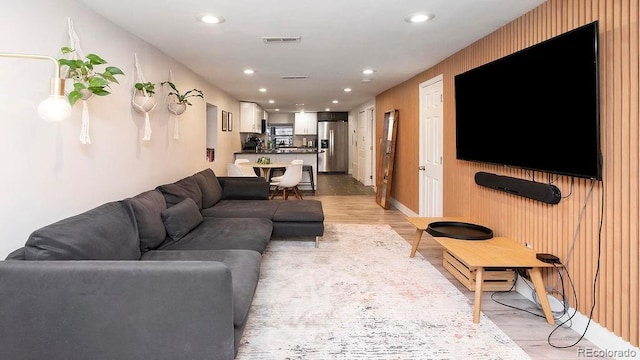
x=56, y=107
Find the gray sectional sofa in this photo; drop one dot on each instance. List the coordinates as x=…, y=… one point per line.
x=167, y=274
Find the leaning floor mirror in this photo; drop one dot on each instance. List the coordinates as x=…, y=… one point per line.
x=387, y=152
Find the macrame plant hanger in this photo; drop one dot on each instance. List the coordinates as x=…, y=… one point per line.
x=174, y=114
x=146, y=104
x=78, y=55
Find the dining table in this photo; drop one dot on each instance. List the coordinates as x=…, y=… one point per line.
x=265, y=169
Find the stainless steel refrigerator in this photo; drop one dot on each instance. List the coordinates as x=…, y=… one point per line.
x=333, y=146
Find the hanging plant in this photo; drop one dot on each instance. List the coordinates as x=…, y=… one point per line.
x=87, y=80
x=143, y=100
x=179, y=101
x=147, y=87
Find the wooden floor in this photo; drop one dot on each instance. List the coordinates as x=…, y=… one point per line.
x=528, y=331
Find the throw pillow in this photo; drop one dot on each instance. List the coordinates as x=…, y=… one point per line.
x=147, y=208
x=180, y=190
x=181, y=218
x=209, y=186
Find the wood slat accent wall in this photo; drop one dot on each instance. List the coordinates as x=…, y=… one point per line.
x=594, y=229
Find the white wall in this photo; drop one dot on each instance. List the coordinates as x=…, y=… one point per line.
x=47, y=174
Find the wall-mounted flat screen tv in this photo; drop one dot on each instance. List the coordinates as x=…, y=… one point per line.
x=535, y=109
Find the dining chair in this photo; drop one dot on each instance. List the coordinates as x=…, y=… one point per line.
x=247, y=171
x=278, y=178
x=288, y=182
x=240, y=170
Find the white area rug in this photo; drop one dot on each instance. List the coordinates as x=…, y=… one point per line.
x=360, y=296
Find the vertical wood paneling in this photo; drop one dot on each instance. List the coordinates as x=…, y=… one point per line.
x=552, y=228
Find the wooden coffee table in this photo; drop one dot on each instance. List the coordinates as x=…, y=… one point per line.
x=497, y=252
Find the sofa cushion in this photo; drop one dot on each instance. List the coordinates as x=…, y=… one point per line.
x=245, y=190
x=181, y=218
x=107, y=232
x=209, y=186
x=17, y=254
x=299, y=211
x=147, y=208
x=180, y=190
x=225, y=233
x=245, y=272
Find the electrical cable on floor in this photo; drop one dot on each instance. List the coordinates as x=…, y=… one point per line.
x=534, y=297
x=512, y=306
x=595, y=279
x=575, y=311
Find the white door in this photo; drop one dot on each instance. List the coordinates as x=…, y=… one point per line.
x=364, y=144
x=431, y=139
x=368, y=145
x=360, y=143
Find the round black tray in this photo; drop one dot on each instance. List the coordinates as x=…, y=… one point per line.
x=459, y=230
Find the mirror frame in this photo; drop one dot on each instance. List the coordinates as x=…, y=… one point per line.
x=386, y=158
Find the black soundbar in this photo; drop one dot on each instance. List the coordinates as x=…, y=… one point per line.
x=546, y=193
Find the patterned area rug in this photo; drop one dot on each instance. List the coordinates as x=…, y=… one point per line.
x=360, y=296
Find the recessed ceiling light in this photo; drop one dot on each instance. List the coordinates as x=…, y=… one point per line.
x=271, y=101
x=365, y=80
x=277, y=109
x=367, y=71
x=211, y=19
x=327, y=109
x=249, y=71
x=419, y=18
x=347, y=89
x=299, y=104
x=262, y=90
x=335, y=101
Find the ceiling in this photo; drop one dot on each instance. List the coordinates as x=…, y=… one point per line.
x=338, y=39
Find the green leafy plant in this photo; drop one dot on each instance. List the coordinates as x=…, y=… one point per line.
x=183, y=98
x=86, y=77
x=264, y=160
x=149, y=87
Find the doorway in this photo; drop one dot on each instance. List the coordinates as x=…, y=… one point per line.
x=431, y=148
x=211, y=132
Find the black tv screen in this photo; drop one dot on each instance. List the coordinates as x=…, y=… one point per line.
x=535, y=109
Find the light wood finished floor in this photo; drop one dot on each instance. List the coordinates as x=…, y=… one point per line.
x=528, y=331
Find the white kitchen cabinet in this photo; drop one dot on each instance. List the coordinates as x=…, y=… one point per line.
x=250, y=117
x=306, y=123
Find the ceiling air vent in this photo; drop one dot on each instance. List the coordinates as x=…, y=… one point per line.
x=294, y=77
x=281, y=40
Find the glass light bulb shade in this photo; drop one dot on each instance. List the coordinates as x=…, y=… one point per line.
x=54, y=108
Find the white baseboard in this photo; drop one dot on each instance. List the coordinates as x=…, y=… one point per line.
x=610, y=345
x=403, y=209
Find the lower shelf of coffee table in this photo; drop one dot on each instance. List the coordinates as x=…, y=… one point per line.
x=495, y=279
